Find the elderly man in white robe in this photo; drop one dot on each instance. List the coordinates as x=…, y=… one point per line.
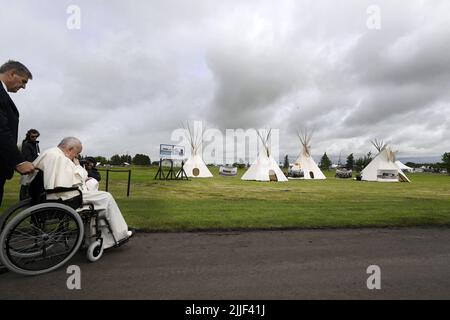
x=62, y=169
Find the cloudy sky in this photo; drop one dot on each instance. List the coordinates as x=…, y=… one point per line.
x=351, y=71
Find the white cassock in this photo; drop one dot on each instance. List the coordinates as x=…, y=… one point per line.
x=92, y=184
x=60, y=171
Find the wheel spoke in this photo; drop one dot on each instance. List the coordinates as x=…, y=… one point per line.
x=42, y=239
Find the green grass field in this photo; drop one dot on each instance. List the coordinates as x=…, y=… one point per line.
x=230, y=203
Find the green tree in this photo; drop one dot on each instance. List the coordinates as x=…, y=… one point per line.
x=446, y=161
x=125, y=158
x=115, y=160
x=101, y=159
x=411, y=164
x=361, y=163
x=325, y=162
x=286, y=162
x=350, y=162
x=141, y=159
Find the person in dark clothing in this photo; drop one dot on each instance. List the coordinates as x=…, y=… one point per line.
x=93, y=176
x=30, y=151
x=30, y=146
x=92, y=171
x=13, y=77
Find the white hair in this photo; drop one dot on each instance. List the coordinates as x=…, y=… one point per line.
x=69, y=143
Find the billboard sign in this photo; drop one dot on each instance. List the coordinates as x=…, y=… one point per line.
x=171, y=151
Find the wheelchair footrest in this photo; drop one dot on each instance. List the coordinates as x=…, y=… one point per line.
x=121, y=242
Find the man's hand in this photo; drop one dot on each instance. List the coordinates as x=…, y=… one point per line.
x=25, y=168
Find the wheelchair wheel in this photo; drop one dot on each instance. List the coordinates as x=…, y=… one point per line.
x=12, y=211
x=41, y=238
x=95, y=251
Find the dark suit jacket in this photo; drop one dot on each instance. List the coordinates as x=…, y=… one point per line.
x=10, y=155
x=30, y=150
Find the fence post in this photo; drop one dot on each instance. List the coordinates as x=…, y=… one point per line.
x=129, y=181
x=107, y=179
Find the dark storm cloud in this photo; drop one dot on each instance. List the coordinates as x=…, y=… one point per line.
x=249, y=82
x=133, y=73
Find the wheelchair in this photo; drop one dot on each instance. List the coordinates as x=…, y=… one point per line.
x=39, y=235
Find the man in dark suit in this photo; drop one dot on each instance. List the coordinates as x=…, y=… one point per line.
x=13, y=77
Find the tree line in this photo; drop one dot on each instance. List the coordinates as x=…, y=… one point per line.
x=351, y=163
x=138, y=159
x=361, y=162
x=324, y=164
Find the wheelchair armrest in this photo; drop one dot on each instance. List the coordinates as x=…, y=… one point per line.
x=62, y=189
x=74, y=202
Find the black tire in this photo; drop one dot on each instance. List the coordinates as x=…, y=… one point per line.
x=41, y=238
x=9, y=213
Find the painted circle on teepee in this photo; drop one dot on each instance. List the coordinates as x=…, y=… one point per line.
x=195, y=172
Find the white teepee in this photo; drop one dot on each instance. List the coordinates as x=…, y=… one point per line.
x=383, y=167
x=265, y=168
x=195, y=167
x=403, y=166
x=304, y=161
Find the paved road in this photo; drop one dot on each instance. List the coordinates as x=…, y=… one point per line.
x=300, y=264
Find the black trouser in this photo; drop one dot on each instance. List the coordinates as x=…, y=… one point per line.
x=2, y=184
x=24, y=192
